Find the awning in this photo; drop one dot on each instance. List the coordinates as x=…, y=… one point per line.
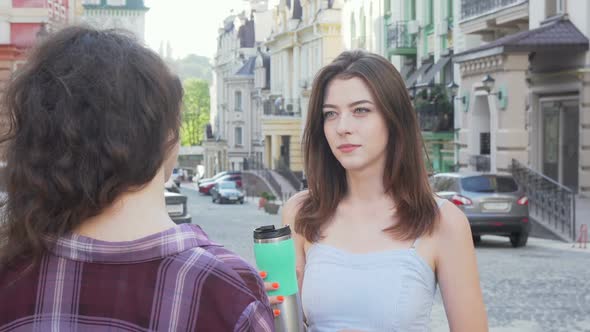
x=555, y=34
x=429, y=76
x=405, y=71
x=418, y=73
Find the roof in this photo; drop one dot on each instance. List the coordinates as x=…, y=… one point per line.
x=248, y=67
x=247, y=34
x=129, y=4
x=557, y=33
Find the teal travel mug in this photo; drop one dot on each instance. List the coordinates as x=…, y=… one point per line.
x=275, y=254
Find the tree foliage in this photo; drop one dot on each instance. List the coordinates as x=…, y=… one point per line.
x=196, y=111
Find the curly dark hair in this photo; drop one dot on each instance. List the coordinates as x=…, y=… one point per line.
x=91, y=115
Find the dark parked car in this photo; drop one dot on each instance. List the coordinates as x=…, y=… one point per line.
x=205, y=187
x=493, y=203
x=176, y=206
x=226, y=191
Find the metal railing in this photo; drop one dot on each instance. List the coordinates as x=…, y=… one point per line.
x=284, y=170
x=431, y=119
x=550, y=203
x=260, y=170
x=474, y=8
x=398, y=36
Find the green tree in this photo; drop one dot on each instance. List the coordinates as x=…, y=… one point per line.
x=196, y=112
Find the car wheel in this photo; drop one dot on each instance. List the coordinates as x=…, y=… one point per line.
x=518, y=239
x=212, y=199
x=476, y=239
x=242, y=201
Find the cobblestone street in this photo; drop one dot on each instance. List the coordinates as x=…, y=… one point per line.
x=542, y=287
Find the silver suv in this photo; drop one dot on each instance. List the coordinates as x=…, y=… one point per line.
x=493, y=203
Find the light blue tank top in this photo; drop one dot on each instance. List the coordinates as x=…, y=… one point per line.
x=389, y=290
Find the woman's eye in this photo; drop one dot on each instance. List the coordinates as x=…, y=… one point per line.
x=329, y=114
x=361, y=110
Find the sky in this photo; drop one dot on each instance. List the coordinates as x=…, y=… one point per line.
x=190, y=25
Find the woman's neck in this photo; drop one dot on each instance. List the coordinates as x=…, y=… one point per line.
x=132, y=216
x=365, y=185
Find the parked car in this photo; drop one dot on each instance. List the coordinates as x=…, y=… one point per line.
x=493, y=203
x=205, y=187
x=218, y=176
x=176, y=206
x=226, y=191
x=171, y=187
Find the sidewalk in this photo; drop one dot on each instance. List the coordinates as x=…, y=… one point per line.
x=539, y=243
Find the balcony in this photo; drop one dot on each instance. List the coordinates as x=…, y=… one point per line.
x=490, y=16
x=399, y=39
x=280, y=107
x=435, y=118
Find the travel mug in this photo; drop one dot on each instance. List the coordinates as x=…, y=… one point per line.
x=274, y=251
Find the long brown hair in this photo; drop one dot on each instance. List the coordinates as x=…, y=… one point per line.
x=91, y=114
x=405, y=178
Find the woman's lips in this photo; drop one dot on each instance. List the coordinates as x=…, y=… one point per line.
x=347, y=148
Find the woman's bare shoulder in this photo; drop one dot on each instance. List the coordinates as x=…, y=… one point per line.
x=291, y=207
x=452, y=224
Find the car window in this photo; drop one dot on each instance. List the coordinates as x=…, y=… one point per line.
x=444, y=183
x=227, y=185
x=489, y=184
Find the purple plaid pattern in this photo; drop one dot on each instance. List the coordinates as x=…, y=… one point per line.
x=177, y=280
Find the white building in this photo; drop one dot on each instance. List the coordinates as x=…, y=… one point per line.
x=306, y=35
x=116, y=14
x=525, y=99
x=236, y=135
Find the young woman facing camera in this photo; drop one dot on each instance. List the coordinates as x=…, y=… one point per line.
x=372, y=240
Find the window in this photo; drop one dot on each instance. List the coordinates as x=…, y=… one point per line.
x=238, y=101
x=444, y=183
x=116, y=2
x=429, y=12
x=484, y=143
x=363, y=34
x=352, y=31
x=238, y=136
x=489, y=184
x=410, y=12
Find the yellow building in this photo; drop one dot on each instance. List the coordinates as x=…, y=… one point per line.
x=306, y=36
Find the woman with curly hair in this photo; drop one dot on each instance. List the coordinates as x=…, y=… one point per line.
x=86, y=242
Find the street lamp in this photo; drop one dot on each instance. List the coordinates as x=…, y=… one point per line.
x=454, y=88
x=488, y=84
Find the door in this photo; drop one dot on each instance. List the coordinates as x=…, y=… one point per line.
x=560, y=137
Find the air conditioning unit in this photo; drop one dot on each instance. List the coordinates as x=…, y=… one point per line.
x=413, y=27
x=443, y=28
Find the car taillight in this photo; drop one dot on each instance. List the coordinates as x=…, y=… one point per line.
x=460, y=200
x=523, y=201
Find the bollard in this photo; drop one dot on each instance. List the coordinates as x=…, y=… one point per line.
x=582, y=238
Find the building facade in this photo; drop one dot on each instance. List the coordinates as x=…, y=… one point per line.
x=306, y=35
x=116, y=14
x=525, y=101
x=23, y=23
x=236, y=131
